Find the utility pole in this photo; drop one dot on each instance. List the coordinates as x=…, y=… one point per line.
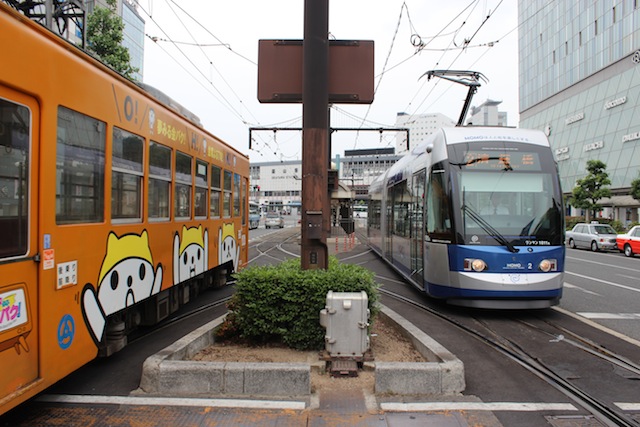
x=315, y=136
x=315, y=71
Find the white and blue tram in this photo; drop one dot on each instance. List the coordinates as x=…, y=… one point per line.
x=474, y=216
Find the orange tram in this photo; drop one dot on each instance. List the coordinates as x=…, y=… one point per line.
x=115, y=209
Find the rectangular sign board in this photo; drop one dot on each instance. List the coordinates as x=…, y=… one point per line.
x=350, y=71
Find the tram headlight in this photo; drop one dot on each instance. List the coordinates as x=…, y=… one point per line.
x=547, y=265
x=474, y=264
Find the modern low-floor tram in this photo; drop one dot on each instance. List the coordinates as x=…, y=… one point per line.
x=474, y=216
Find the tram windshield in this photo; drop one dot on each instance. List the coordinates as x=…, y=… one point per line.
x=507, y=195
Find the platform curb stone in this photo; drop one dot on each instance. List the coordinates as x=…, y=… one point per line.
x=171, y=372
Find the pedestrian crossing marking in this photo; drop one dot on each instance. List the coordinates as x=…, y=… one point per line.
x=610, y=316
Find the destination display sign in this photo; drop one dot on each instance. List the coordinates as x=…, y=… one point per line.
x=502, y=160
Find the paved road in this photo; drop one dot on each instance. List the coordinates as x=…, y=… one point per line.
x=604, y=287
x=600, y=290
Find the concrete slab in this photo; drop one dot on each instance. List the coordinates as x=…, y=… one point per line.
x=170, y=372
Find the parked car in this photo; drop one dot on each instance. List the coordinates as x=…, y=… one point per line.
x=629, y=243
x=254, y=220
x=273, y=219
x=593, y=236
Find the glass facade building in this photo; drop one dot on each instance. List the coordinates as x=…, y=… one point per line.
x=133, y=37
x=132, y=34
x=579, y=73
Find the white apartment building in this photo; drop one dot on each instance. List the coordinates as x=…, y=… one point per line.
x=278, y=185
x=487, y=114
x=420, y=126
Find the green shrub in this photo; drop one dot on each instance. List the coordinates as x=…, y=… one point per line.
x=571, y=221
x=282, y=303
x=631, y=225
x=618, y=226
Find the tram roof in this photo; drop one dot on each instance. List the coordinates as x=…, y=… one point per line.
x=458, y=135
x=463, y=134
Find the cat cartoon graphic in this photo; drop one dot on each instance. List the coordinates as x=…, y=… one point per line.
x=229, y=250
x=190, y=253
x=127, y=276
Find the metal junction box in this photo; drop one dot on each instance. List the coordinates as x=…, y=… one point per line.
x=346, y=319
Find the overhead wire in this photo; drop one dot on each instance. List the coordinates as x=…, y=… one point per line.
x=433, y=87
x=420, y=44
x=213, y=35
x=416, y=41
x=186, y=28
x=224, y=101
x=393, y=39
x=489, y=44
x=211, y=63
x=465, y=45
x=277, y=148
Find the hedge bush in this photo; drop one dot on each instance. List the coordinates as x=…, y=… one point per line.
x=282, y=303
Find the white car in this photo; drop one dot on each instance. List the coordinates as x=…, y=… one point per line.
x=593, y=236
x=273, y=219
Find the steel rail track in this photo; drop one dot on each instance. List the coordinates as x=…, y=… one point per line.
x=276, y=247
x=602, y=412
x=178, y=318
x=586, y=345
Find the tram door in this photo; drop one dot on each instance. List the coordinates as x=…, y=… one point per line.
x=19, y=129
x=417, y=227
x=388, y=217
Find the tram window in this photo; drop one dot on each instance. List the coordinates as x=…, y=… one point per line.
x=159, y=181
x=126, y=179
x=401, y=213
x=15, y=121
x=202, y=188
x=80, y=164
x=243, y=201
x=236, y=195
x=182, y=197
x=226, y=203
x=214, y=205
x=438, y=212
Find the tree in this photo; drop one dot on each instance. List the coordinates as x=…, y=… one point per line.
x=635, y=189
x=104, y=38
x=590, y=189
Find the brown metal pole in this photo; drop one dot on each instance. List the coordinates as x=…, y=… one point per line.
x=315, y=142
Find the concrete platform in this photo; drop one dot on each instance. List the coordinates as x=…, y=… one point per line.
x=170, y=372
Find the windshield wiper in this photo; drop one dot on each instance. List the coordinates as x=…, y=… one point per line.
x=489, y=229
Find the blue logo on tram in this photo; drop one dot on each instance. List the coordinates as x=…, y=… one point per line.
x=66, y=331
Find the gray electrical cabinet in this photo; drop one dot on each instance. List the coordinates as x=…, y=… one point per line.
x=346, y=320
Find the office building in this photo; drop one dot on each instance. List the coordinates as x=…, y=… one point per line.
x=420, y=126
x=358, y=168
x=579, y=73
x=487, y=114
x=133, y=37
x=278, y=185
x=132, y=33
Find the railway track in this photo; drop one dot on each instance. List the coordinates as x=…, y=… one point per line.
x=267, y=247
x=604, y=412
x=181, y=317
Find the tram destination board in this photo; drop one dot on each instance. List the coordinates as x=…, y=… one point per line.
x=502, y=160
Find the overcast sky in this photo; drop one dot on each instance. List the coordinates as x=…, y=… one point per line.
x=206, y=52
